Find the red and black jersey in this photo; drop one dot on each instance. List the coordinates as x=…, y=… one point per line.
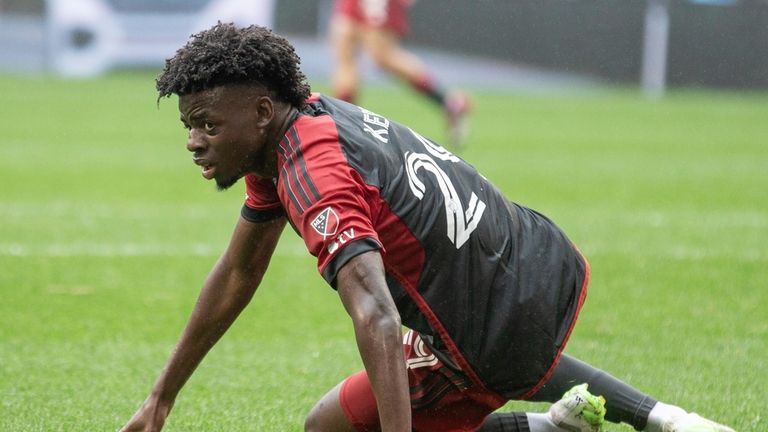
x=494, y=283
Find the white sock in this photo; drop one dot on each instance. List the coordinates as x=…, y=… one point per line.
x=541, y=422
x=660, y=413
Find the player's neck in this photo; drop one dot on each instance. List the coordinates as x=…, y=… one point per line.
x=285, y=116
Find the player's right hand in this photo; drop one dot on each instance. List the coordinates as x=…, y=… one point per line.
x=149, y=418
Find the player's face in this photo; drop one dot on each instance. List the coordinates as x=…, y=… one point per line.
x=227, y=133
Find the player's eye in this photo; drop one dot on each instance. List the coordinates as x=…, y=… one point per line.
x=208, y=127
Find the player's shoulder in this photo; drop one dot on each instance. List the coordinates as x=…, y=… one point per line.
x=351, y=128
x=322, y=118
x=313, y=133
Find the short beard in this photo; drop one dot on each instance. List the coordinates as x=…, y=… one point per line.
x=223, y=185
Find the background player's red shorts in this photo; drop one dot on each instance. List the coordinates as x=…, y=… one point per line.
x=391, y=15
x=441, y=400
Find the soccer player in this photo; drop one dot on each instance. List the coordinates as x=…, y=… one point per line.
x=408, y=234
x=378, y=26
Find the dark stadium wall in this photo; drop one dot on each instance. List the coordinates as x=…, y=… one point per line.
x=722, y=46
x=298, y=16
x=709, y=46
x=719, y=46
x=25, y=7
x=594, y=37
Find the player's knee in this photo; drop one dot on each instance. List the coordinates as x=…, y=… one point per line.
x=314, y=421
x=311, y=423
x=322, y=418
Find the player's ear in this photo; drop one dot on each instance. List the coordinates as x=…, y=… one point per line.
x=265, y=111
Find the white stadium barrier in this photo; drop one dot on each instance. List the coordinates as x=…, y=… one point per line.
x=88, y=37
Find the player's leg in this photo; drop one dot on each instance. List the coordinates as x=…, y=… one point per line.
x=345, y=79
x=506, y=422
x=623, y=402
x=577, y=411
x=441, y=399
x=351, y=407
x=329, y=415
x=383, y=46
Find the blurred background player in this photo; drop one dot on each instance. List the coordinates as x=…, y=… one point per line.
x=378, y=26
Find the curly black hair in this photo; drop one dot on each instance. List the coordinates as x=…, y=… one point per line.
x=227, y=54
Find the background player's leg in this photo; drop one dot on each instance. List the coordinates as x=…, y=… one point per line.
x=384, y=48
x=344, y=36
x=327, y=415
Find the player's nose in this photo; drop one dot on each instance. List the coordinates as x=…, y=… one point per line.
x=195, y=142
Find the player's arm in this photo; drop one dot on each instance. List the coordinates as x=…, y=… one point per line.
x=225, y=293
x=363, y=290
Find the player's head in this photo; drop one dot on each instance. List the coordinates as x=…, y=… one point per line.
x=237, y=88
x=227, y=54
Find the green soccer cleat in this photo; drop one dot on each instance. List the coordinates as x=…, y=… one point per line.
x=579, y=410
x=692, y=422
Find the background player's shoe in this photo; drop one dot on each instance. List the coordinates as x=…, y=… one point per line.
x=579, y=410
x=692, y=422
x=457, y=106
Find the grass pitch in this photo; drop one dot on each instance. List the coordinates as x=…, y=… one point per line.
x=108, y=231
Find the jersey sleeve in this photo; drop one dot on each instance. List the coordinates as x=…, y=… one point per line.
x=261, y=200
x=326, y=199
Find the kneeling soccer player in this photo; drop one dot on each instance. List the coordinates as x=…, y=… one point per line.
x=408, y=234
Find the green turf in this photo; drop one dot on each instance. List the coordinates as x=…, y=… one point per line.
x=108, y=231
